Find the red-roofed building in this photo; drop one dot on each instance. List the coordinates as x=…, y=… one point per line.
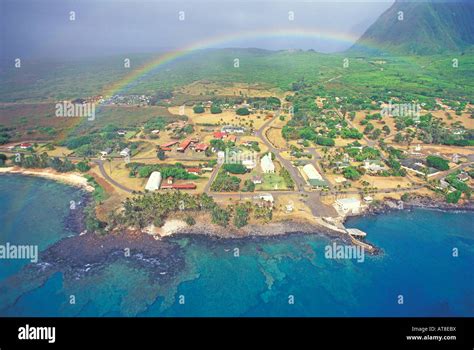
x=166, y=149
x=219, y=135
x=183, y=145
x=188, y=186
x=195, y=171
x=25, y=145
x=169, y=144
x=232, y=138
x=201, y=147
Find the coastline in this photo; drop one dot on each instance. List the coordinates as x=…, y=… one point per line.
x=416, y=202
x=73, y=179
x=317, y=226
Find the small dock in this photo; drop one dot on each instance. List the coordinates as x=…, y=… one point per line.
x=356, y=232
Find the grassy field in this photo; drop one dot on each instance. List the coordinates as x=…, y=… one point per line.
x=419, y=76
x=271, y=182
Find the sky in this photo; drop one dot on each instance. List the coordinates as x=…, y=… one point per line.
x=43, y=28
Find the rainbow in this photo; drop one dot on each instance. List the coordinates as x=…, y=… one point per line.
x=219, y=41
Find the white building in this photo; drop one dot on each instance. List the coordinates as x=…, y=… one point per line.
x=154, y=181
x=314, y=177
x=125, y=152
x=266, y=164
x=265, y=198
x=249, y=163
x=348, y=205
x=372, y=167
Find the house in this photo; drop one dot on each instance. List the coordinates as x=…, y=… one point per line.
x=373, y=166
x=341, y=164
x=154, y=181
x=169, y=180
x=169, y=144
x=463, y=177
x=166, y=149
x=232, y=138
x=443, y=184
x=106, y=152
x=368, y=199
x=155, y=132
x=186, y=186
x=195, y=171
x=25, y=145
x=348, y=205
x=125, y=152
x=230, y=129
x=257, y=179
x=219, y=135
x=266, y=198
x=207, y=169
x=184, y=145
x=315, y=179
x=121, y=132
x=201, y=147
x=418, y=167
x=455, y=158
x=266, y=164
x=249, y=163
x=176, y=125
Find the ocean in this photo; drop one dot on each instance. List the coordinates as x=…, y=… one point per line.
x=426, y=268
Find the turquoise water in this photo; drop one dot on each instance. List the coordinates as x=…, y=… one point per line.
x=266, y=275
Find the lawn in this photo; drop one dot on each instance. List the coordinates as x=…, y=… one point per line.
x=271, y=182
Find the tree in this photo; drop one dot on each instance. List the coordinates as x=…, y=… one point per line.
x=190, y=220
x=241, y=216
x=351, y=173
x=198, y=109
x=242, y=111
x=235, y=168
x=3, y=159
x=83, y=166
x=325, y=141
x=453, y=197
x=161, y=154
x=248, y=186
x=437, y=163
x=220, y=216
x=216, y=110
x=158, y=221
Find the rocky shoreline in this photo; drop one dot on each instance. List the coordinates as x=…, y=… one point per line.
x=416, y=202
x=87, y=253
x=82, y=254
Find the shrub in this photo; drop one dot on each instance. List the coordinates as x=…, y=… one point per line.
x=242, y=111
x=437, y=163
x=198, y=109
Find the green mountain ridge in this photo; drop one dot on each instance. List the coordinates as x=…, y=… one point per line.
x=426, y=28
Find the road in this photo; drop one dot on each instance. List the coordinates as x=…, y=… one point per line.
x=294, y=173
x=100, y=163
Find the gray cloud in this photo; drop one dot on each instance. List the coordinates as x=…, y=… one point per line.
x=37, y=28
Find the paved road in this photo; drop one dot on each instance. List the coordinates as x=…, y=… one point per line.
x=100, y=163
x=294, y=173
x=207, y=188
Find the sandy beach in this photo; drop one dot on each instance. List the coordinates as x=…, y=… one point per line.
x=74, y=179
